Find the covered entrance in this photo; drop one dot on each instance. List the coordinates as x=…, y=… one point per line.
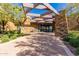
x=45, y=27
x=47, y=14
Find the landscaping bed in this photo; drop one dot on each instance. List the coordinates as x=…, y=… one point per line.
x=10, y=35
x=72, y=41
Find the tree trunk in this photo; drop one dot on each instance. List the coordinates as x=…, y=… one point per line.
x=3, y=25
x=19, y=31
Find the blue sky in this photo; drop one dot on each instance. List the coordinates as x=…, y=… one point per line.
x=57, y=6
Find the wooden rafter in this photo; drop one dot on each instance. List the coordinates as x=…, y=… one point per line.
x=26, y=11
x=38, y=7
x=33, y=14
x=43, y=17
x=29, y=9
x=48, y=7
x=51, y=8
x=49, y=12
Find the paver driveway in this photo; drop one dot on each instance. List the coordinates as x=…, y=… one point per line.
x=35, y=44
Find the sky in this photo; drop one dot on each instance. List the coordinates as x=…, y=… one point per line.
x=57, y=6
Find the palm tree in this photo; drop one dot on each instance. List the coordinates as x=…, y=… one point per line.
x=17, y=12
x=72, y=10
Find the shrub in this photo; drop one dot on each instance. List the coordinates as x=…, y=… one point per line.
x=74, y=42
x=73, y=38
x=69, y=36
x=14, y=36
x=10, y=35
x=77, y=51
x=21, y=34
x=4, y=38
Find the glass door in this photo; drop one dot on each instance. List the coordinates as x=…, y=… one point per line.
x=45, y=28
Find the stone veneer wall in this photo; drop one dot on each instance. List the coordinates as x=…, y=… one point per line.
x=61, y=28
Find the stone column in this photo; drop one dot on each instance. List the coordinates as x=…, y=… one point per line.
x=61, y=26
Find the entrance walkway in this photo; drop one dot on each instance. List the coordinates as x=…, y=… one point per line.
x=35, y=44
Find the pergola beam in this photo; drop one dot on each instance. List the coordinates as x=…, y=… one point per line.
x=35, y=5
x=46, y=13
x=38, y=15
x=33, y=14
x=47, y=6
x=51, y=8
x=42, y=17
x=32, y=6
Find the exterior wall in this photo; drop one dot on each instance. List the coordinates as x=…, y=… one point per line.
x=10, y=26
x=61, y=28
x=33, y=27
x=26, y=26
x=25, y=30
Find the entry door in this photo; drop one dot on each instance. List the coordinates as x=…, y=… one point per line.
x=45, y=28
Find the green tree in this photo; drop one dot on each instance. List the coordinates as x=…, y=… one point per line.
x=5, y=14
